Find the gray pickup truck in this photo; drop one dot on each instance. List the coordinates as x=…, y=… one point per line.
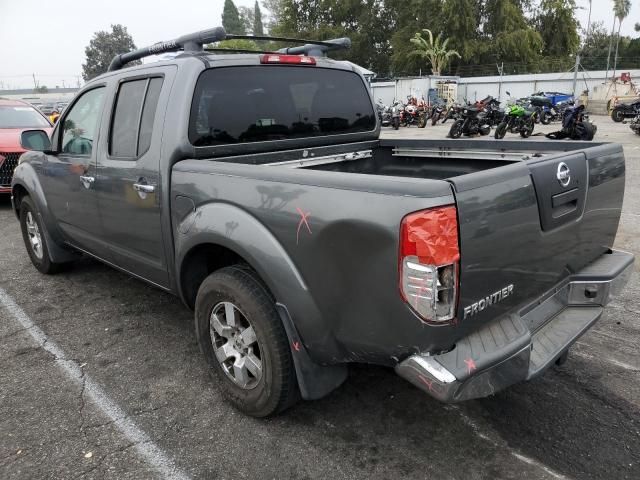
x=256, y=188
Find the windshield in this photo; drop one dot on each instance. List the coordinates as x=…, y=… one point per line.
x=21, y=117
x=261, y=103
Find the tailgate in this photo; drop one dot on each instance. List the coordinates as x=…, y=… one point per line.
x=527, y=226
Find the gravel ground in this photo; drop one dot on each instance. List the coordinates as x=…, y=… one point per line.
x=101, y=378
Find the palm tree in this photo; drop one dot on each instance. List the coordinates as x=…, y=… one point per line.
x=434, y=50
x=621, y=9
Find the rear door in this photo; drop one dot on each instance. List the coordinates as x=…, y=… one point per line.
x=527, y=226
x=129, y=188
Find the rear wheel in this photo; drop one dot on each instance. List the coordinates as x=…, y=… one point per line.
x=34, y=238
x=545, y=118
x=501, y=130
x=456, y=129
x=422, y=121
x=244, y=342
x=527, y=128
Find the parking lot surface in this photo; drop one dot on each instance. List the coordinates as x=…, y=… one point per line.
x=102, y=378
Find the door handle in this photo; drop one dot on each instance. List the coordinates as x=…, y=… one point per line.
x=87, y=181
x=144, y=188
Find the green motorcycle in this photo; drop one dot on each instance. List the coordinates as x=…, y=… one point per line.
x=517, y=119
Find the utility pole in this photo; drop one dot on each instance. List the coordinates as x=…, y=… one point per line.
x=35, y=84
x=575, y=74
x=501, y=71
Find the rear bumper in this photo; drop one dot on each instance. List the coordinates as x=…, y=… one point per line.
x=522, y=345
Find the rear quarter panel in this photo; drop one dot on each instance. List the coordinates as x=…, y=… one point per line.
x=340, y=234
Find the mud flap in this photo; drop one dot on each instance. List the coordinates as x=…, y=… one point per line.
x=315, y=381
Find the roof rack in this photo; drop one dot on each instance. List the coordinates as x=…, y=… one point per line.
x=194, y=42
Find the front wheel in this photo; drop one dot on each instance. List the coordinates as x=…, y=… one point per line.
x=617, y=115
x=501, y=130
x=244, y=342
x=395, y=123
x=422, y=121
x=456, y=129
x=34, y=238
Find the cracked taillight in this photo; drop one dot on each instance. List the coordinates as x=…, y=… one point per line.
x=429, y=256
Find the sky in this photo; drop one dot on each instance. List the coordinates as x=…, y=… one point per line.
x=47, y=38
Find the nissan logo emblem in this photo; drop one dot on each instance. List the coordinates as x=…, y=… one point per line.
x=564, y=174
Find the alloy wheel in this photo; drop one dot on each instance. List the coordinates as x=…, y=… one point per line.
x=35, y=239
x=235, y=345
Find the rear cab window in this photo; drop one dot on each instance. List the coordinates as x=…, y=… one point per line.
x=260, y=103
x=133, y=116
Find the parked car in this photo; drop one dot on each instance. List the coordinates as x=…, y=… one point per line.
x=303, y=242
x=15, y=117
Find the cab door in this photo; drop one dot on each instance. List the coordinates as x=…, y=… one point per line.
x=128, y=176
x=69, y=174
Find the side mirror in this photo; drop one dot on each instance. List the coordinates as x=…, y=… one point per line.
x=508, y=93
x=36, y=140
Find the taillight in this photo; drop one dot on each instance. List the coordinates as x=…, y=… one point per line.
x=429, y=256
x=287, y=59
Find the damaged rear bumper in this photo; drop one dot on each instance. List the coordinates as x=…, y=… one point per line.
x=521, y=346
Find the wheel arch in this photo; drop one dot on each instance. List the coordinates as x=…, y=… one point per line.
x=207, y=245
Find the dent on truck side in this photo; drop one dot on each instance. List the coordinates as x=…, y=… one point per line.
x=327, y=253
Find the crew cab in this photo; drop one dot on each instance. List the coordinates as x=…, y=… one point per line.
x=256, y=188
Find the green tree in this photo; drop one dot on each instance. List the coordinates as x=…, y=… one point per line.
x=433, y=49
x=231, y=20
x=258, y=27
x=558, y=27
x=621, y=9
x=103, y=47
x=246, y=15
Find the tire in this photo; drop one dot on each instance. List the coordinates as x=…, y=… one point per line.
x=456, y=129
x=501, y=131
x=395, y=123
x=258, y=392
x=617, y=115
x=34, y=239
x=422, y=121
x=434, y=120
x=528, y=129
x=545, y=118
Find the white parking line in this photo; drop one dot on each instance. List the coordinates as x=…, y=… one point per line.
x=487, y=437
x=145, y=447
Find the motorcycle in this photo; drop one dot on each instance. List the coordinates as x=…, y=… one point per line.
x=413, y=115
x=384, y=114
x=575, y=125
x=517, y=119
x=396, y=112
x=623, y=110
x=635, y=125
x=438, y=112
x=472, y=121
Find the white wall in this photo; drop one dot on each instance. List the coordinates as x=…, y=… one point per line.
x=475, y=88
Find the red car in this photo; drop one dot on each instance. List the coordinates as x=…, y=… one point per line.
x=15, y=117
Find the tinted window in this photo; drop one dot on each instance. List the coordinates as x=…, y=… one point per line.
x=124, y=126
x=22, y=116
x=132, y=123
x=253, y=104
x=149, y=114
x=79, y=128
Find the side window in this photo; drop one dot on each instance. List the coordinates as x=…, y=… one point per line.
x=79, y=128
x=132, y=121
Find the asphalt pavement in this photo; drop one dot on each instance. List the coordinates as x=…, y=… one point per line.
x=101, y=377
